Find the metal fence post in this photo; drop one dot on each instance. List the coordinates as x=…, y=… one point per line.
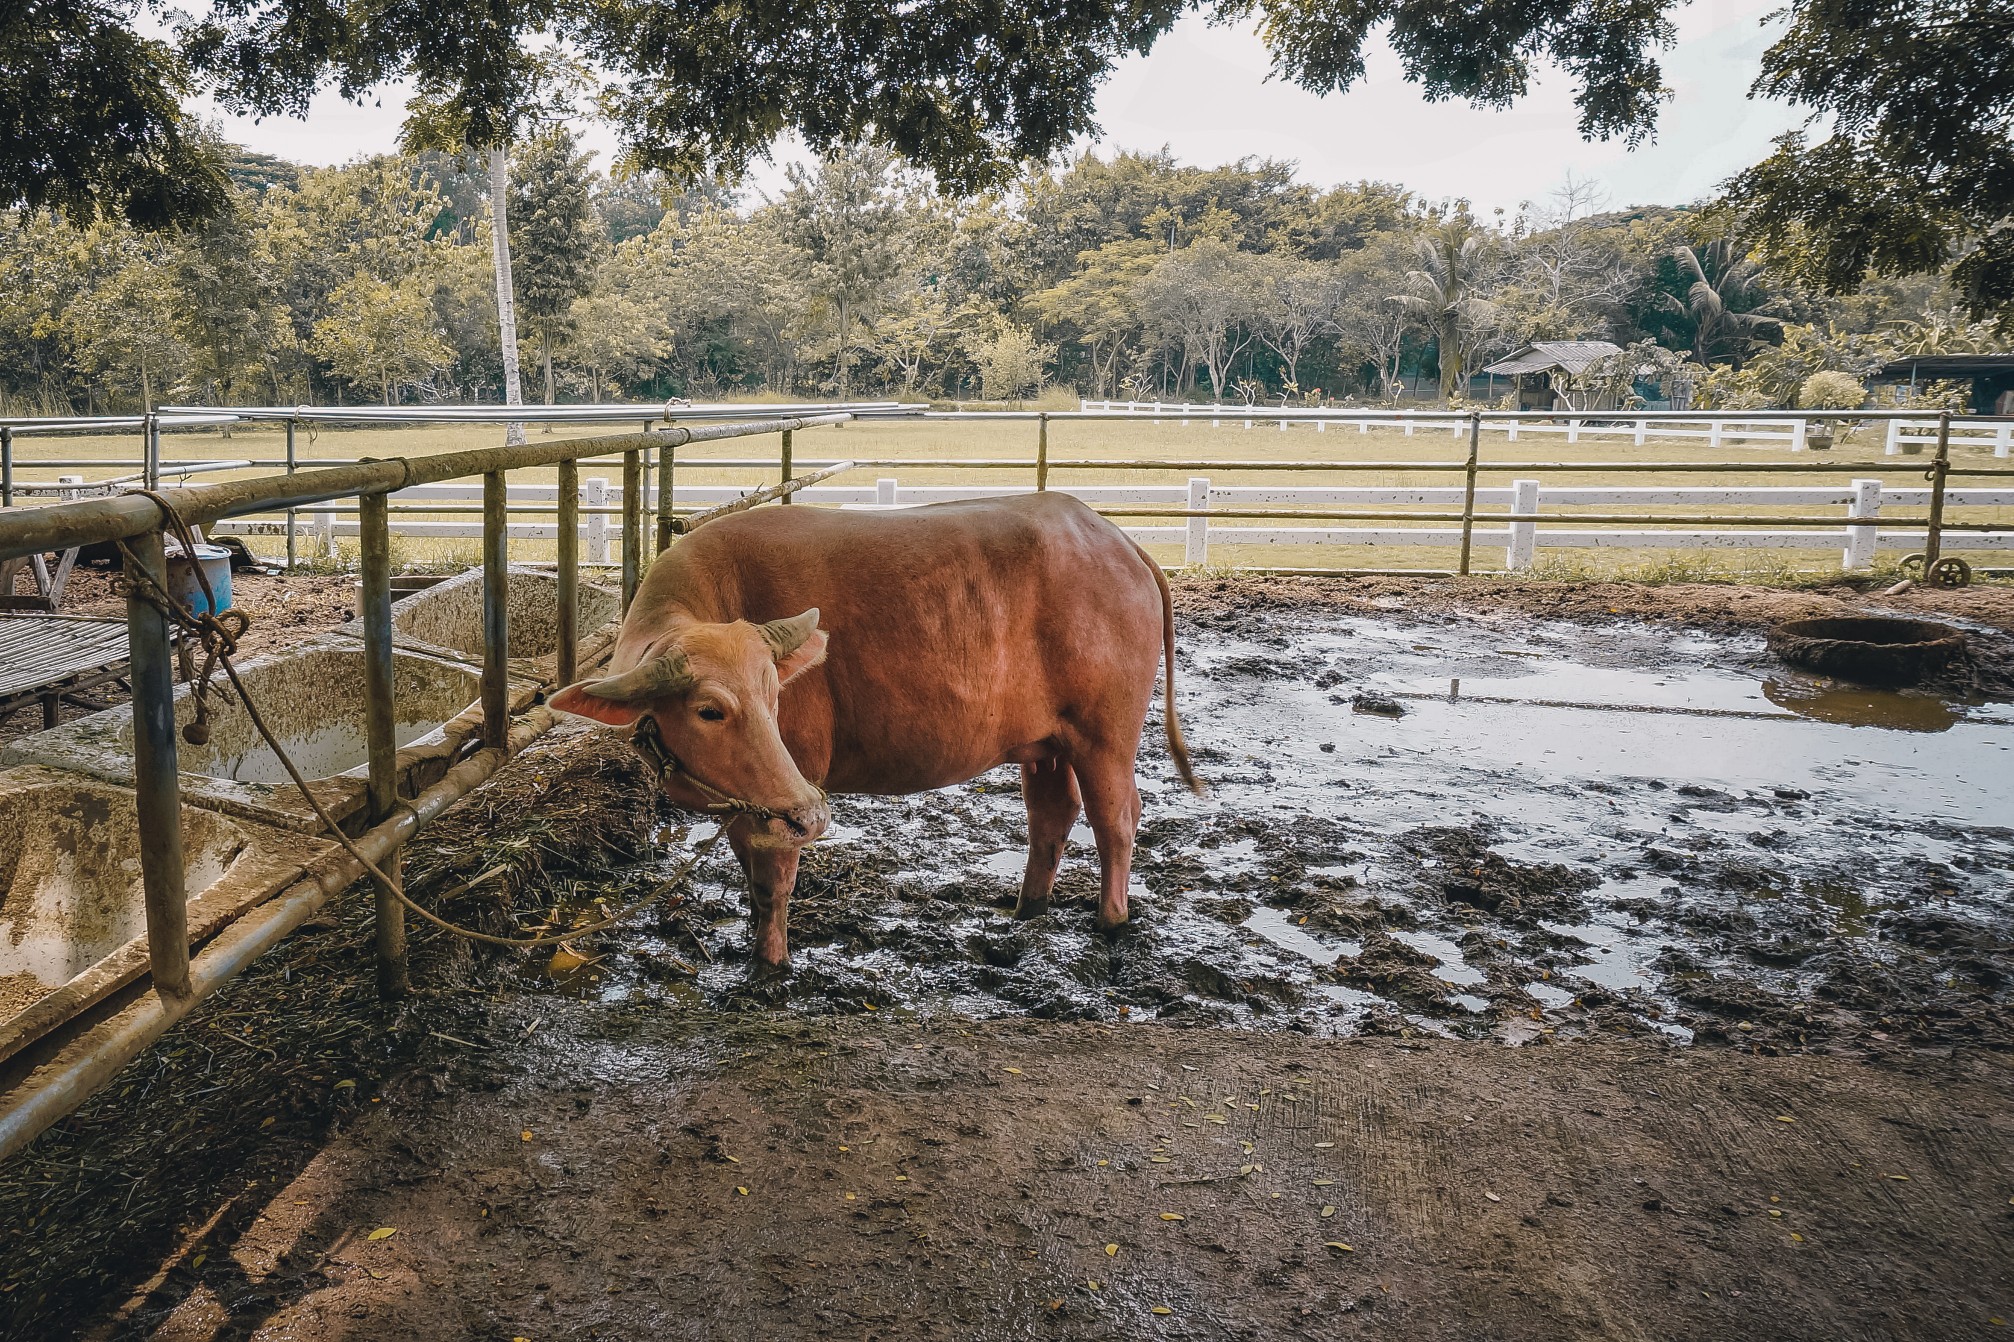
x=291, y=514
x=632, y=524
x=783, y=475
x=150, y=463
x=156, y=778
x=1042, y=451
x=1469, y=491
x=665, y=493
x=374, y=544
x=496, y=597
x=6, y=469
x=1940, y=467
x=568, y=565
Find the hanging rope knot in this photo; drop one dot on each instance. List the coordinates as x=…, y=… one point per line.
x=217, y=631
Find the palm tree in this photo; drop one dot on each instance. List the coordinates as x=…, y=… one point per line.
x=1443, y=293
x=1725, y=302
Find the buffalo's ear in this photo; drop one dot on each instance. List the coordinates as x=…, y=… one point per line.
x=576, y=699
x=797, y=644
x=807, y=654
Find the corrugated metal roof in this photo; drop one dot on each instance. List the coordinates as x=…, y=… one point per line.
x=1568, y=355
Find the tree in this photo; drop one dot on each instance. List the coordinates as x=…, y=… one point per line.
x=1373, y=324
x=1202, y=296
x=612, y=335
x=1445, y=291
x=1009, y=359
x=851, y=216
x=381, y=335
x=557, y=236
x=1293, y=301
x=91, y=123
x=224, y=304
x=1098, y=302
x=1917, y=171
x=1725, y=304
x=124, y=329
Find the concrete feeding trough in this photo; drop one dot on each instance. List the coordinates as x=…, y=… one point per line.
x=446, y=619
x=313, y=699
x=73, y=916
x=1874, y=650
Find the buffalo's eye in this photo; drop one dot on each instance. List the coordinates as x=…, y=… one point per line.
x=712, y=714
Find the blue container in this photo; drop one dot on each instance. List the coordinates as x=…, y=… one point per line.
x=182, y=584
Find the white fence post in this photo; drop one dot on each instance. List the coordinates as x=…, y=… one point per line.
x=1641, y=426
x=884, y=493
x=1196, y=547
x=1713, y=427
x=1573, y=431
x=2003, y=440
x=1893, y=446
x=1860, y=541
x=597, y=522
x=1799, y=428
x=325, y=534
x=1523, y=535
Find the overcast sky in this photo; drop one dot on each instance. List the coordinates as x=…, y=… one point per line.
x=1203, y=93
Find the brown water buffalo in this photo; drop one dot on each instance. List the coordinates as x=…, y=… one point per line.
x=939, y=643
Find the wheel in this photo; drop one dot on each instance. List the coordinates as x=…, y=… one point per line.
x=1949, y=571
x=1912, y=566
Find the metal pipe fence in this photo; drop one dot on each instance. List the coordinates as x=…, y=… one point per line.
x=137, y=522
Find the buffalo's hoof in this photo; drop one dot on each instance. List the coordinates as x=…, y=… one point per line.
x=769, y=971
x=1111, y=927
x=1025, y=908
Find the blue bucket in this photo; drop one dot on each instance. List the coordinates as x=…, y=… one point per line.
x=182, y=584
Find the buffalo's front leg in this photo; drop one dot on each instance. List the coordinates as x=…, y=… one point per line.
x=772, y=875
x=1050, y=789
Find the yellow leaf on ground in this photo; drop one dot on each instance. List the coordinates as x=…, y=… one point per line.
x=1111, y=1251
x=384, y=1232
x=1328, y=1212
x=1339, y=1246
x=1162, y=1309
x=524, y=1136
x=739, y=1189
x=1158, y=1160
x=1785, y=1118
x=1172, y=1216
x=1493, y=1197
x=1014, y=1071
x=1323, y=1146
x=1328, y=1183
x=1796, y=1238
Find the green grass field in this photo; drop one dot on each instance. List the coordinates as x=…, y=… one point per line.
x=976, y=439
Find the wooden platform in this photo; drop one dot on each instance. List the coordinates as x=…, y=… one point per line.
x=44, y=657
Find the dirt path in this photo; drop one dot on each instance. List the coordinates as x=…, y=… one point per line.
x=630, y=1175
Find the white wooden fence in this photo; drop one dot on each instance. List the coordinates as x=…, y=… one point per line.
x=1595, y=426
x=1520, y=540
x=1908, y=435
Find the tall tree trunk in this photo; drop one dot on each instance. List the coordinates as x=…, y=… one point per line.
x=506, y=303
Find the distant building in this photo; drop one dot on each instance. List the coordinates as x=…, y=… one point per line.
x=1991, y=376
x=1541, y=370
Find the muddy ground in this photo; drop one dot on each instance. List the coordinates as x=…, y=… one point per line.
x=1597, y=977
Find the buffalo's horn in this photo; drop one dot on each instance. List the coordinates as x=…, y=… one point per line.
x=654, y=679
x=787, y=636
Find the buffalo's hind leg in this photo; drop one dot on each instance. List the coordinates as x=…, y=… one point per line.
x=772, y=875
x=1112, y=805
x=1050, y=789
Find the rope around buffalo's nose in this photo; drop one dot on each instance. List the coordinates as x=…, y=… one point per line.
x=219, y=635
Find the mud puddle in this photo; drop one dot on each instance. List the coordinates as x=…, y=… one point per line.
x=1476, y=828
